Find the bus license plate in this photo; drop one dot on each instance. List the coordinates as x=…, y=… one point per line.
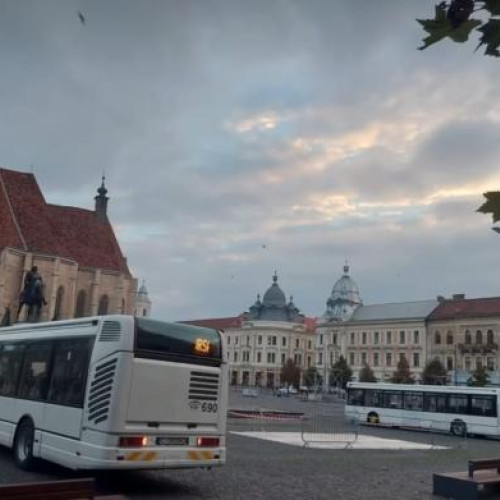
x=172, y=441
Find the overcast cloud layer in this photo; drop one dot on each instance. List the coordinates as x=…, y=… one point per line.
x=242, y=137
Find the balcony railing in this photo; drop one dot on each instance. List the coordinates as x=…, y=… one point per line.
x=478, y=348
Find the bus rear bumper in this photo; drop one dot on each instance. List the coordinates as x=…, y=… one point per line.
x=152, y=458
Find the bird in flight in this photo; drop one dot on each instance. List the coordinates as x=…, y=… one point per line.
x=81, y=17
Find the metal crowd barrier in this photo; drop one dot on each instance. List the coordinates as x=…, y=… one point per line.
x=323, y=428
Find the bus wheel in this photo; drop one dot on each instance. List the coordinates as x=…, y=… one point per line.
x=373, y=418
x=458, y=428
x=23, y=444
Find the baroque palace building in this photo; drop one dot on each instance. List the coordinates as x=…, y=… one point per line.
x=261, y=340
x=462, y=333
x=75, y=250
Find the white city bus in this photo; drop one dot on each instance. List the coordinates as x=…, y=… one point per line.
x=459, y=410
x=113, y=392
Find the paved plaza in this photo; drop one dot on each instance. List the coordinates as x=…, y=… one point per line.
x=263, y=468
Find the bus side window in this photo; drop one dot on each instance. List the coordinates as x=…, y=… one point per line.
x=485, y=406
x=355, y=397
x=458, y=403
x=393, y=400
x=373, y=398
x=11, y=358
x=414, y=401
x=69, y=374
x=35, y=372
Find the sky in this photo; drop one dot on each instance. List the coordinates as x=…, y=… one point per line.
x=239, y=138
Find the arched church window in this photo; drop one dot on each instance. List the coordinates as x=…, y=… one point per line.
x=103, y=305
x=489, y=337
x=59, y=304
x=449, y=338
x=80, y=304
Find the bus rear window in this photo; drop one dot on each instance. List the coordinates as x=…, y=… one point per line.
x=177, y=342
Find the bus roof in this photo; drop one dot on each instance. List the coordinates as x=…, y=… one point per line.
x=423, y=388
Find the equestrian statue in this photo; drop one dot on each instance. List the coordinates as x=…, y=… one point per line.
x=32, y=296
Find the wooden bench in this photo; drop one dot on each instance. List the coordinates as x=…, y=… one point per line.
x=484, y=464
x=71, y=489
x=482, y=475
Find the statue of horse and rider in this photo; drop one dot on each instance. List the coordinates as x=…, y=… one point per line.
x=32, y=295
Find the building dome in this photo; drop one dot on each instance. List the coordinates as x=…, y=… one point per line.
x=274, y=307
x=344, y=299
x=274, y=296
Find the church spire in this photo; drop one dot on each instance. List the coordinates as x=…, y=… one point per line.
x=101, y=201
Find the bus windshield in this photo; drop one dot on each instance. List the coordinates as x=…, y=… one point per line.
x=177, y=342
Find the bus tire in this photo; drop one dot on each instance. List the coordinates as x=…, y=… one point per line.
x=23, y=444
x=458, y=428
x=373, y=418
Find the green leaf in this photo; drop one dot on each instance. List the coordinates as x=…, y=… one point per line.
x=491, y=205
x=490, y=37
x=461, y=34
x=440, y=27
x=493, y=6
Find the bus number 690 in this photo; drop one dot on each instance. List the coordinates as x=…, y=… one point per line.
x=209, y=407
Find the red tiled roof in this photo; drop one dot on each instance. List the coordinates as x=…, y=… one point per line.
x=310, y=324
x=73, y=233
x=466, y=308
x=217, y=323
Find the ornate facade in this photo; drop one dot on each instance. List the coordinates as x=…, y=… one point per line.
x=75, y=250
x=261, y=340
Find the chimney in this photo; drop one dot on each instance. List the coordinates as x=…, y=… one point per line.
x=440, y=299
x=458, y=296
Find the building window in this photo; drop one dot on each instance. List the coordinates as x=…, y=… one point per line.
x=271, y=357
x=416, y=337
x=388, y=338
x=468, y=337
x=490, y=364
x=468, y=364
x=296, y=343
x=228, y=340
x=236, y=340
x=449, y=363
x=259, y=340
x=416, y=359
x=320, y=358
x=309, y=344
x=479, y=363
x=376, y=338
x=283, y=360
x=259, y=357
x=388, y=359
x=437, y=338
x=235, y=357
x=351, y=359
x=144, y=311
x=334, y=339
x=363, y=358
x=401, y=337
x=489, y=337
x=376, y=359
x=283, y=341
x=80, y=304
x=246, y=357
x=308, y=361
x=364, y=338
x=479, y=337
x=352, y=338
x=402, y=356
x=320, y=339
x=103, y=306
x=59, y=304
x=449, y=338
x=248, y=340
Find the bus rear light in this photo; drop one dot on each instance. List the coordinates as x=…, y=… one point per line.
x=208, y=442
x=133, y=441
